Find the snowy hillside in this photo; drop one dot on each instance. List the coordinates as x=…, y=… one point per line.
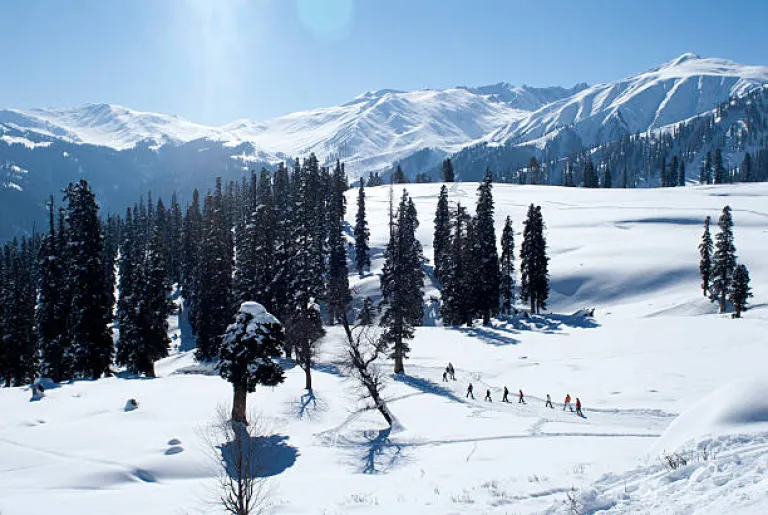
x=656, y=348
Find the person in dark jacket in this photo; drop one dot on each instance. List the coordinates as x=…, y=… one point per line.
x=469, y=391
x=505, y=396
x=488, y=395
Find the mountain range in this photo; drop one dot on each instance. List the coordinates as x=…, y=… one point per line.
x=124, y=152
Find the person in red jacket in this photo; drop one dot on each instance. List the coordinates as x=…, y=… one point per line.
x=578, y=407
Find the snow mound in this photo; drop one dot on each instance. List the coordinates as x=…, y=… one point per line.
x=738, y=407
x=259, y=313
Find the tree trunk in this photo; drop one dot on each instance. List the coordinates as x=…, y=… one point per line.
x=533, y=303
x=722, y=302
x=307, y=372
x=399, y=368
x=239, y=404
x=150, y=370
x=486, y=318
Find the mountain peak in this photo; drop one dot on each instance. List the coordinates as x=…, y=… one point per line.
x=688, y=56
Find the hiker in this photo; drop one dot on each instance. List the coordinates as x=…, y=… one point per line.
x=548, y=404
x=451, y=371
x=521, y=400
x=505, y=396
x=488, y=396
x=567, y=403
x=469, y=392
x=578, y=407
x=445, y=376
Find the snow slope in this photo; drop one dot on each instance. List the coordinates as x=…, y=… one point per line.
x=381, y=127
x=654, y=349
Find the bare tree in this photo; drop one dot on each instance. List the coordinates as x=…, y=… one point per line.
x=232, y=446
x=364, y=347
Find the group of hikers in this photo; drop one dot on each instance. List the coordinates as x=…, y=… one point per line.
x=450, y=373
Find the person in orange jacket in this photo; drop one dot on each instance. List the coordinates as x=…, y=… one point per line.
x=567, y=403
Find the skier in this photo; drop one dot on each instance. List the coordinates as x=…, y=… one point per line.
x=548, y=404
x=445, y=376
x=567, y=403
x=505, y=396
x=451, y=371
x=488, y=395
x=469, y=392
x=578, y=407
x=521, y=400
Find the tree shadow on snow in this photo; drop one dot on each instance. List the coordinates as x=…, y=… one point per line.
x=308, y=405
x=373, y=451
x=273, y=455
x=502, y=331
x=427, y=386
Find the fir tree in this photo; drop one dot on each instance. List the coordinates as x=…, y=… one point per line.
x=362, y=235
x=457, y=297
x=706, y=248
x=740, y=291
x=92, y=297
x=607, y=180
x=283, y=241
x=705, y=174
x=192, y=234
x=442, y=237
x=507, y=284
x=401, y=282
x=747, y=173
x=175, y=239
x=338, y=272
x=590, y=179
x=723, y=260
x=247, y=354
x=681, y=174
x=51, y=315
x=486, y=255
x=446, y=171
x=534, y=284
x=399, y=176
x=720, y=173
x=366, y=315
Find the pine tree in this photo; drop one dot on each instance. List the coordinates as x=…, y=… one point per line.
x=283, y=241
x=399, y=176
x=247, y=354
x=446, y=172
x=723, y=260
x=175, y=239
x=92, y=297
x=705, y=174
x=507, y=283
x=747, y=172
x=534, y=273
x=192, y=234
x=442, y=237
x=486, y=255
x=671, y=173
x=681, y=174
x=51, y=315
x=214, y=307
x=720, y=173
x=401, y=282
x=590, y=175
x=740, y=291
x=706, y=248
x=362, y=235
x=568, y=177
x=366, y=315
x=457, y=297
x=607, y=180
x=338, y=272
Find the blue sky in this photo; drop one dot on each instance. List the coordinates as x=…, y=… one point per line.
x=214, y=61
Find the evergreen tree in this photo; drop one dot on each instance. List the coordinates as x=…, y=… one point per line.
x=338, y=272
x=723, y=260
x=129, y=266
x=507, y=267
x=671, y=173
x=446, y=172
x=92, y=297
x=362, y=235
x=534, y=285
x=681, y=174
x=175, y=239
x=486, y=274
x=747, y=172
x=399, y=176
x=401, y=282
x=247, y=354
x=705, y=174
x=720, y=173
x=740, y=291
x=192, y=235
x=283, y=246
x=706, y=247
x=457, y=297
x=442, y=237
x=366, y=315
x=590, y=179
x=214, y=307
x=51, y=315
x=607, y=180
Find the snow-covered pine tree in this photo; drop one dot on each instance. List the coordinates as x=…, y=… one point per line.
x=362, y=235
x=486, y=261
x=92, y=298
x=507, y=283
x=174, y=236
x=723, y=260
x=740, y=291
x=706, y=247
x=399, y=176
x=214, y=289
x=338, y=272
x=192, y=232
x=719, y=170
x=442, y=236
x=747, y=171
x=246, y=357
x=129, y=264
x=283, y=201
x=534, y=272
x=51, y=314
x=705, y=173
x=590, y=179
x=446, y=171
x=366, y=315
x=401, y=283
x=681, y=173
x=457, y=297
x=541, y=278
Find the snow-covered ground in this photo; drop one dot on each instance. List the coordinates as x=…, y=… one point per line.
x=656, y=348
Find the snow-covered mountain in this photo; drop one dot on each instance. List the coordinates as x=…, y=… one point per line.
x=125, y=152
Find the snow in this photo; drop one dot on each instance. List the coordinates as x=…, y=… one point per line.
x=381, y=127
x=16, y=140
x=655, y=348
